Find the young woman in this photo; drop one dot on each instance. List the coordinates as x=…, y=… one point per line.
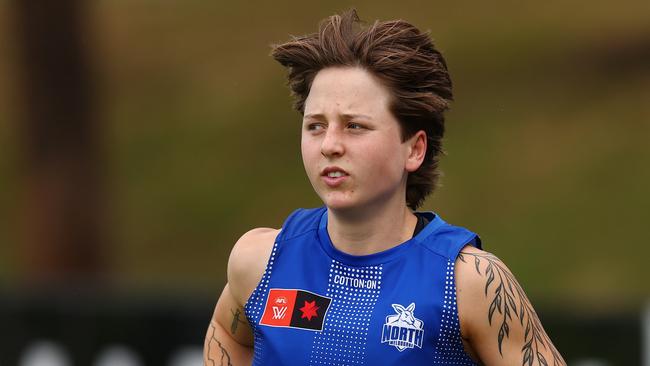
x=365, y=279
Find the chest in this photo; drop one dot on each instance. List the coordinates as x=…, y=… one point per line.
x=326, y=312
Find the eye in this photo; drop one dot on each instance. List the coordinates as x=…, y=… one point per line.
x=355, y=126
x=314, y=126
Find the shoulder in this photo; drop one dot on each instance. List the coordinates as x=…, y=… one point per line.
x=472, y=265
x=248, y=260
x=478, y=274
x=496, y=317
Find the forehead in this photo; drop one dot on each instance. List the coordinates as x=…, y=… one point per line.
x=348, y=90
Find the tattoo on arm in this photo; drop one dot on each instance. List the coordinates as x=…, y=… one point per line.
x=236, y=320
x=225, y=357
x=508, y=299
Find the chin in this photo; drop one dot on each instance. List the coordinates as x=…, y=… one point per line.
x=337, y=201
x=349, y=205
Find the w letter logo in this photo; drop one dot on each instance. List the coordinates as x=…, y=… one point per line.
x=279, y=312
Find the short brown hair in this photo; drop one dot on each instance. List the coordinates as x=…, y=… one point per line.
x=402, y=57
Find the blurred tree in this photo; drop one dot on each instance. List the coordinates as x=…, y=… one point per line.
x=63, y=202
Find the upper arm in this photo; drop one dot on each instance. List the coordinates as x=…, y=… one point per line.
x=246, y=266
x=229, y=315
x=248, y=260
x=497, y=319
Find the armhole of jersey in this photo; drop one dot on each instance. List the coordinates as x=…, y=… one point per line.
x=452, y=348
x=456, y=349
x=473, y=240
x=476, y=242
x=254, y=306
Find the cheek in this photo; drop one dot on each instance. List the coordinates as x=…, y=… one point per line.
x=381, y=167
x=384, y=161
x=308, y=149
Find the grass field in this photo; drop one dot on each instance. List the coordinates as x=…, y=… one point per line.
x=547, y=140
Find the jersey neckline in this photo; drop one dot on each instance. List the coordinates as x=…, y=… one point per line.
x=435, y=222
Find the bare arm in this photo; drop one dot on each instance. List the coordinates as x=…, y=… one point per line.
x=498, y=321
x=229, y=339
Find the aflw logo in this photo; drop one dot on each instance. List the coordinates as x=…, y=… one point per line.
x=295, y=308
x=403, y=330
x=280, y=311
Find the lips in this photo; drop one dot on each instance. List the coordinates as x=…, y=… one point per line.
x=334, y=176
x=333, y=171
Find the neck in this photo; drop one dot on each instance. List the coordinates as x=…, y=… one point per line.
x=371, y=230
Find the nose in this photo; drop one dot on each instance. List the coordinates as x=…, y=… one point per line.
x=332, y=144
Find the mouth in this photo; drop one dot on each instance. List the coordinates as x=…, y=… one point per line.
x=334, y=176
x=333, y=172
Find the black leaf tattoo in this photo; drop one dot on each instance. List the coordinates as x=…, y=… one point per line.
x=508, y=298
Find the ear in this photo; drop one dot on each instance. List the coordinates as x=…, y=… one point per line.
x=416, y=149
x=411, y=307
x=398, y=308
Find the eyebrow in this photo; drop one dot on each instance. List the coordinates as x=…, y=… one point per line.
x=345, y=115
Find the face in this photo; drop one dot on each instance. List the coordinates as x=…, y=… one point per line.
x=351, y=143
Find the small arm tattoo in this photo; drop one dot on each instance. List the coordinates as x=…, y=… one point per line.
x=224, y=359
x=236, y=320
x=509, y=299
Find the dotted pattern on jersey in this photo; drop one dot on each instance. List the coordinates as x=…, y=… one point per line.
x=255, y=306
x=354, y=292
x=449, y=347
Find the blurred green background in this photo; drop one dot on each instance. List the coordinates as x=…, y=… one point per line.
x=547, y=140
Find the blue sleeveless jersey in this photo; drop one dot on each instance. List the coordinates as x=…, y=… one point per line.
x=316, y=305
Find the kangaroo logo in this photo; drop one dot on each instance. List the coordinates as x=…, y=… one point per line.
x=402, y=329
